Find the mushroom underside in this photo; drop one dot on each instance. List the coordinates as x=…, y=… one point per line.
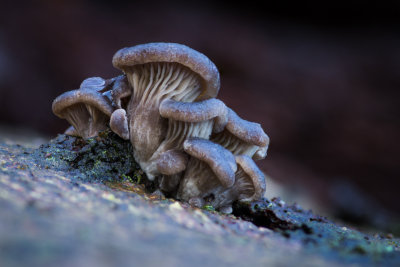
x=200, y=184
x=86, y=123
x=200, y=151
x=151, y=83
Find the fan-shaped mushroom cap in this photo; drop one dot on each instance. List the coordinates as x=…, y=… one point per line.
x=243, y=137
x=73, y=97
x=86, y=110
x=196, y=111
x=221, y=161
x=172, y=52
x=247, y=131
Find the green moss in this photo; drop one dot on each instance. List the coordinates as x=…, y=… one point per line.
x=208, y=208
x=102, y=158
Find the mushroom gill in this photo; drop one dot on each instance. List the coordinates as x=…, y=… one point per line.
x=151, y=83
x=200, y=151
x=245, y=140
x=242, y=137
x=158, y=72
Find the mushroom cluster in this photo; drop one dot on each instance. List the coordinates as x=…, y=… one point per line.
x=165, y=103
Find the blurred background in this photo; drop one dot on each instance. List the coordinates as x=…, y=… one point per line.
x=322, y=78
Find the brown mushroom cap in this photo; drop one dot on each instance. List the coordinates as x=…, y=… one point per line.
x=220, y=160
x=172, y=52
x=88, y=97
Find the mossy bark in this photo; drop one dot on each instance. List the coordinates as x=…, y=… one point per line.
x=75, y=201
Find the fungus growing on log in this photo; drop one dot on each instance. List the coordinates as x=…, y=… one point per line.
x=202, y=184
x=86, y=109
x=200, y=150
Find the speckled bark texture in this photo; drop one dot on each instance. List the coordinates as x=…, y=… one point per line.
x=75, y=202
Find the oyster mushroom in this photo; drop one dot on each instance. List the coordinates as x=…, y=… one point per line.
x=156, y=72
x=165, y=104
x=86, y=109
x=200, y=187
x=210, y=168
x=185, y=120
x=220, y=160
x=200, y=183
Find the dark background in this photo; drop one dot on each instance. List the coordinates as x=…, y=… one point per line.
x=322, y=77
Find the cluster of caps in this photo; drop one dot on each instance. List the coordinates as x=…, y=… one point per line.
x=165, y=103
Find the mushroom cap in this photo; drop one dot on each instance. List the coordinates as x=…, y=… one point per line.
x=220, y=160
x=93, y=83
x=89, y=97
x=172, y=162
x=119, y=123
x=247, y=131
x=172, y=52
x=192, y=112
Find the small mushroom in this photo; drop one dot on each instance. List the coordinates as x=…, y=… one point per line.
x=243, y=139
x=250, y=180
x=200, y=185
x=155, y=72
x=188, y=120
x=220, y=160
x=210, y=167
x=88, y=111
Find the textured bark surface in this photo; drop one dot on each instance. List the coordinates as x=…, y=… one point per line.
x=75, y=202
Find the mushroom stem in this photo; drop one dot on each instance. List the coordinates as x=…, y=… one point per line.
x=71, y=131
x=152, y=83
